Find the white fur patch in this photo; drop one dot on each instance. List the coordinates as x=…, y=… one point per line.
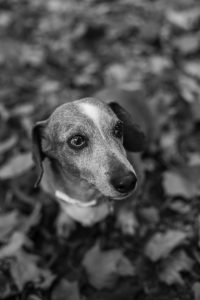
x=93, y=112
x=69, y=200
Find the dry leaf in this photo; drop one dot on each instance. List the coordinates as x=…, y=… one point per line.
x=184, y=19
x=159, y=63
x=173, y=266
x=8, y=223
x=8, y=144
x=189, y=87
x=14, y=222
x=187, y=44
x=66, y=290
x=127, y=222
x=117, y=73
x=195, y=108
x=192, y=68
x=196, y=290
x=24, y=269
x=105, y=267
x=174, y=185
x=6, y=285
x=161, y=244
x=150, y=214
x=22, y=110
x=194, y=159
x=16, y=166
x=182, y=182
x=23, y=266
x=180, y=207
x=16, y=242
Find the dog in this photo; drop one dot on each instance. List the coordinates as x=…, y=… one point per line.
x=82, y=157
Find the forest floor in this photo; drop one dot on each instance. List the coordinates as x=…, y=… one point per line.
x=51, y=51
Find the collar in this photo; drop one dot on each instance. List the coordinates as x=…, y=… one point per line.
x=64, y=197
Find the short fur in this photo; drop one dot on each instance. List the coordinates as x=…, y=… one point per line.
x=85, y=175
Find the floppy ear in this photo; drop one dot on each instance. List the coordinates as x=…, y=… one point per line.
x=38, y=155
x=134, y=138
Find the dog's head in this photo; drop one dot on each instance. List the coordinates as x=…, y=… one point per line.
x=89, y=139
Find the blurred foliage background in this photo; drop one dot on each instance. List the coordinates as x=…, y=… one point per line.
x=55, y=50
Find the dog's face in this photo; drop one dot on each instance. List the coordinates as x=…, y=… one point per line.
x=87, y=138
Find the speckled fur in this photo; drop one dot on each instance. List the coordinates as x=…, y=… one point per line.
x=93, y=163
x=85, y=174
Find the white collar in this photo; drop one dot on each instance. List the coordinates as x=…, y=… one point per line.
x=62, y=196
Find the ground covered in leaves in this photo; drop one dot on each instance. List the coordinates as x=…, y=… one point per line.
x=51, y=51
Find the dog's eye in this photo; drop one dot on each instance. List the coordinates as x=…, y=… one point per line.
x=118, y=130
x=77, y=142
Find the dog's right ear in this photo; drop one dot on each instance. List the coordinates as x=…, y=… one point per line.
x=38, y=155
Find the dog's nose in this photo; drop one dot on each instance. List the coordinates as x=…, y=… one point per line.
x=124, y=184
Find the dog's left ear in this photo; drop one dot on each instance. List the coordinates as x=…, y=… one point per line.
x=134, y=138
x=38, y=155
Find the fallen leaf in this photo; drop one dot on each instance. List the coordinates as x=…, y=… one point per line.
x=187, y=44
x=192, y=68
x=49, y=86
x=194, y=159
x=196, y=290
x=15, y=222
x=22, y=110
x=180, y=207
x=5, y=19
x=174, y=185
x=105, y=267
x=24, y=266
x=17, y=240
x=182, y=182
x=189, y=87
x=8, y=144
x=24, y=269
x=7, y=288
x=161, y=244
x=173, y=266
x=126, y=221
x=8, y=223
x=31, y=55
x=66, y=290
x=16, y=166
x=184, y=19
x=150, y=214
x=168, y=142
x=159, y=63
x=117, y=73
x=195, y=109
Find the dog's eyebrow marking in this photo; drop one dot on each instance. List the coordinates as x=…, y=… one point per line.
x=93, y=112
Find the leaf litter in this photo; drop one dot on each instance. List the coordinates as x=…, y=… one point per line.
x=16, y=166
x=161, y=244
x=172, y=267
x=105, y=267
x=57, y=50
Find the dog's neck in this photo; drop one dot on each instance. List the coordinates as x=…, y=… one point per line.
x=67, y=189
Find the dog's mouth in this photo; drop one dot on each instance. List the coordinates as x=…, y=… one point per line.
x=91, y=203
x=93, y=197
x=100, y=199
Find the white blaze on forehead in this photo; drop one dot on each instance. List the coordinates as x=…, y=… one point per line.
x=93, y=112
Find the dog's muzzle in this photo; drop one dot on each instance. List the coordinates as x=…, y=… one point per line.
x=124, y=184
